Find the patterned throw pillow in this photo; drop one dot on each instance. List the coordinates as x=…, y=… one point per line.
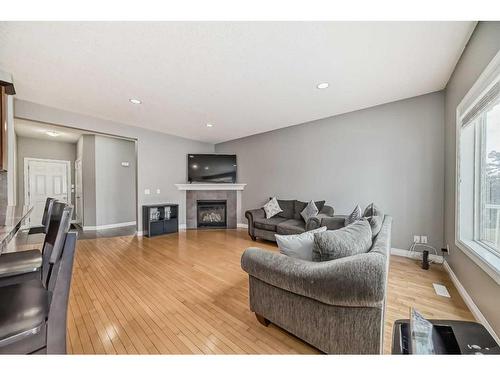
x=354, y=216
x=272, y=208
x=310, y=211
x=372, y=210
x=299, y=207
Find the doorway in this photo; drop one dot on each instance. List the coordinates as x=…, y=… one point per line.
x=45, y=178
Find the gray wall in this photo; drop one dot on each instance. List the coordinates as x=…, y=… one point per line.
x=115, y=184
x=390, y=154
x=482, y=47
x=162, y=158
x=43, y=149
x=86, y=153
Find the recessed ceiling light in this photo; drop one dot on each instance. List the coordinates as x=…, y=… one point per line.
x=323, y=85
x=209, y=125
x=135, y=101
x=52, y=134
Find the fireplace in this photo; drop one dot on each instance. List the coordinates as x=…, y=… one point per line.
x=211, y=213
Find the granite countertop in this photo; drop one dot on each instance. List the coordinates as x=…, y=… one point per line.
x=11, y=219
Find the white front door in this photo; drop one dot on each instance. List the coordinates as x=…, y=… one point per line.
x=78, y=193
x=44, y=179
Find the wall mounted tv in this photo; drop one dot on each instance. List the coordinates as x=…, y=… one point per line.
x=211, y=168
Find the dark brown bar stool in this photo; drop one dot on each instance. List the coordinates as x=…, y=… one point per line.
x=33, y=313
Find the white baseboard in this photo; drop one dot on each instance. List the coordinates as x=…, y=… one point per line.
x=470, y=302
x=182, y=227
x=109, y=226
x=139, y=233
x=242, y=225
x=408, y=254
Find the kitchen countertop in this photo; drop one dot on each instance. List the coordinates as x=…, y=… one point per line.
x=11, y=219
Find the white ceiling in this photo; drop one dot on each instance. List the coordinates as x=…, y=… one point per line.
x=243, y=77
x=38, y=130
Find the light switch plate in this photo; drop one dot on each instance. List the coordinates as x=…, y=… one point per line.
x=157, y=191
x=147, y=191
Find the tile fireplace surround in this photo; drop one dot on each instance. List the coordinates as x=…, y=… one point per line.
x=231, y=193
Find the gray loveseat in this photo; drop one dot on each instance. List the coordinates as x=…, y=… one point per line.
x=337, y=306
x=287, y=222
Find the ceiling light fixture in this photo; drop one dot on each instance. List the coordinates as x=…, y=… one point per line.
x=209, y=125
x=323, y=85
x=135, y=101
x=52, y=134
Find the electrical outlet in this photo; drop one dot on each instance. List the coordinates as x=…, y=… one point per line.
x=157, y=191
x=423, y=239
x=416, y=239
x=147, y=191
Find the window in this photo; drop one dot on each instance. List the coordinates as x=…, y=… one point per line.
x=489, y=206
x=478, y=172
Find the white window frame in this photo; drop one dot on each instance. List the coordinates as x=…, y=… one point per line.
x=486, y=258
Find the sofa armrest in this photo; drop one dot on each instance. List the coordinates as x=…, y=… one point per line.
x=255, y=214
x=334, y=222
x=357, y=281
x=317, y=221
x=251, y=215
x=327, y=211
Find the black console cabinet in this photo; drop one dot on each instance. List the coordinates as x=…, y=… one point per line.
x=160, y=219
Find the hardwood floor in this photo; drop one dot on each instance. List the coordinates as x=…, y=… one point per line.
x=186, y=293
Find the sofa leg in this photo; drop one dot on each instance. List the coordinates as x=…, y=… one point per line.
x=262, y=320
x=253, y=238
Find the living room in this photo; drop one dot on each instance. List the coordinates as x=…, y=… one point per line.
x=292, y=188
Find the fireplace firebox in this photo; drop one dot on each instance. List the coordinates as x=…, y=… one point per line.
x=211, y=214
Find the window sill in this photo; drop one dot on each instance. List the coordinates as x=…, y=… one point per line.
x=485, y=259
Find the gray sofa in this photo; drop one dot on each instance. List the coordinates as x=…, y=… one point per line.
x=337, y=306
x=287, y=222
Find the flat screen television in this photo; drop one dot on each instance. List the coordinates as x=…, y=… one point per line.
x=211, y=168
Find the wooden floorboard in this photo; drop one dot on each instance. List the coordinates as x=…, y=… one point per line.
x=187, y=294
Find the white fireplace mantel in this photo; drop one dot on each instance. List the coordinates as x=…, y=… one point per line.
x=210, y=186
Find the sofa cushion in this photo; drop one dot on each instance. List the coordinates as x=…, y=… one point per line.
x=372, y=210
x=287, y=206
x=272, y=208
x=351, y=240
x=268, y=224
x=299, y=207
x=298, y=246
x=291, y=226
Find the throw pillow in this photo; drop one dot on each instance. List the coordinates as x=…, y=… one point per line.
x=272, y=208
x=375, y=224
x=310, y=211
x=299, y=206
x=343, y=242
x=299, y=246
x=354, y=216
x=372, y=210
